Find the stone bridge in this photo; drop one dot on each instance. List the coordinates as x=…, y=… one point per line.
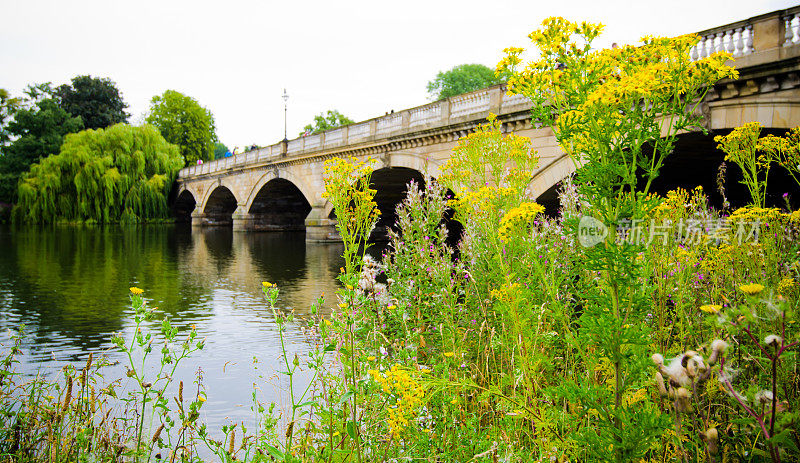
x=279, y=187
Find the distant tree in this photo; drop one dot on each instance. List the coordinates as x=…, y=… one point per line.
x=97, y=101
x=182, y=121
x=8, y=106
x=118, y=174
x=462, y=79
x=220, y=150
x=326, y=121
x=37, y=132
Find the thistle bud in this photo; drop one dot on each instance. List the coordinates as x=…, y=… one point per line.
x=763, y=397
x=718, y=347
x=711, y=438
x=773, y=340
x=682, y=403
x=658, y=359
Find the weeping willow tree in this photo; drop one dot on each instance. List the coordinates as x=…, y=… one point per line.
x=119, y=174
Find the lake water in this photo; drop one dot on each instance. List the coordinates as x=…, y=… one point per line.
x=69, y=287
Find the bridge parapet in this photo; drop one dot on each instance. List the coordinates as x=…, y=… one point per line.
x=443, y=113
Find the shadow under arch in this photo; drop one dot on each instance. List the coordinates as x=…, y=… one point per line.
x=390, y=185
x=279, y=205
x=220, y=206
x=183, y=207
x=695, y=161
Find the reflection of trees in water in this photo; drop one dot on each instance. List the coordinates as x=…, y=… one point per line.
x=74, y=281
x=70, y=284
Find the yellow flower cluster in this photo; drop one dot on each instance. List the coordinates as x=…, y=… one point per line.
x=602, y=96
x=483, y=200
x=751, y=289
x=407, y=392
x=518, y=217
x=136, y=291
x=347, y=188
x=786, y=285
x=741, y=145
x=751, y=214
x=505, y=293
x=487, y=157
x=677, y=200
x=711, y=308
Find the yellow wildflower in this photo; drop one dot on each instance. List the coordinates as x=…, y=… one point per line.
x=786, y=284
x=266, y=284
x=448, y=354
x=136, y=291
x=371, y=358
x=518, y=217
x=752, y=289
x=711, y=308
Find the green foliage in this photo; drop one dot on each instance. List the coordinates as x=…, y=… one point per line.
x=8, y=106
x=326, y=121
x=219, y=150
x=97, y=101
x=462, y=79
x=119, y=174
x=183, y=122
x=37, y=133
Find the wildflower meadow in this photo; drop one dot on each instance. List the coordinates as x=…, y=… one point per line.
x=629, y=327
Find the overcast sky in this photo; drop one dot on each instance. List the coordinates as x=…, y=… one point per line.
x=362, y=58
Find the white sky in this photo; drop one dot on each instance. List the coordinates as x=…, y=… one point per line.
x=362, y=58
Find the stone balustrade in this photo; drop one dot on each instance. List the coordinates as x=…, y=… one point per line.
x=761, y=39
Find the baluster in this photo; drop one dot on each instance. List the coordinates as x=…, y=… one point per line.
x=748, y=43
x=738, y=41
x=693, y=52
x=701, y=48
x=709, y=45
x=719, y=42
x=795, y=29
x=728, y=38
x=787, y=34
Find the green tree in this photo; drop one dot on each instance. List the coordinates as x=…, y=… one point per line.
x=97, y=101
x=219, y=150
x=462, y=79
x=326, y=121
x=119, y=174
x=8, y=106
x=37, y=132
x=182, y=121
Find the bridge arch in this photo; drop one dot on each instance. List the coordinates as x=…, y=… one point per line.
x=299, y=182
x=278, y=205
x=219, y=206
x=185, y=203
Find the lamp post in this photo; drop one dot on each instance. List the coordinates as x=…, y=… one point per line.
x=285, y=112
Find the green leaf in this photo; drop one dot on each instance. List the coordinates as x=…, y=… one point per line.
x=351, y=429
x=275, y=453
x=345, y=397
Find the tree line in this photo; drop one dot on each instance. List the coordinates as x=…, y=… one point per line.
x=69, y=153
